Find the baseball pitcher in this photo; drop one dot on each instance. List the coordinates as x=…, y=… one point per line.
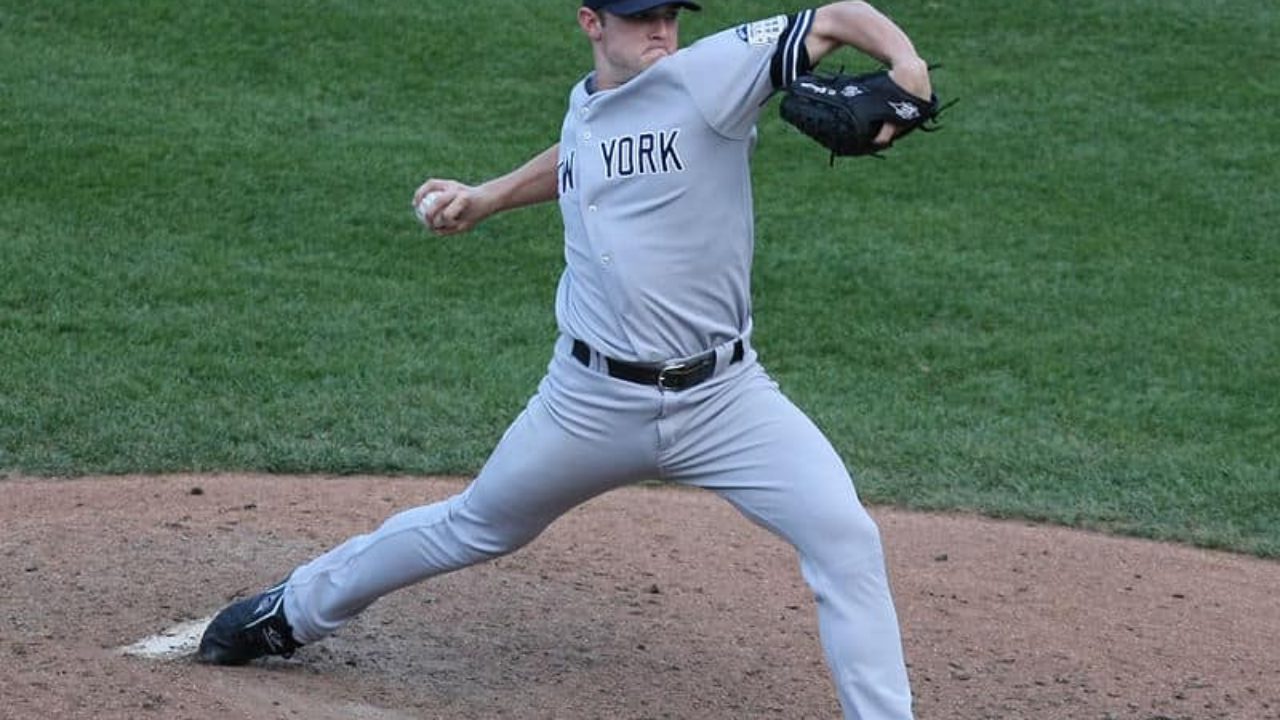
x=653, y=375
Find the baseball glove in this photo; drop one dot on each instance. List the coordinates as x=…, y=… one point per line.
x=844, y=113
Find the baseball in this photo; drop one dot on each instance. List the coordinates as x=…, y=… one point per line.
x=423, y=207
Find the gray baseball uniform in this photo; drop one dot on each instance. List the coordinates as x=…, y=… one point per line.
x=653, y=375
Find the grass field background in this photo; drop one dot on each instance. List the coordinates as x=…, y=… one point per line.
x=1065, y=306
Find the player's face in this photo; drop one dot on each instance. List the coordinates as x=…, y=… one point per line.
x=628, y=44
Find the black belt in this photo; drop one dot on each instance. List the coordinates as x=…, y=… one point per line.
x=678, y=376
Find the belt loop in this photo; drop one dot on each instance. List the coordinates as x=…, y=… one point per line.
x=589, y=358
x=730, y=354
x=722, y=355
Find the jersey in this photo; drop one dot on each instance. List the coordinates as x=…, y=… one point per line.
x=655, y=190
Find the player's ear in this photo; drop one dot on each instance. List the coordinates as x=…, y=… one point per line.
x=591, y=22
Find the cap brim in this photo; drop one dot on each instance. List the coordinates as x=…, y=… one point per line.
x=635, y=7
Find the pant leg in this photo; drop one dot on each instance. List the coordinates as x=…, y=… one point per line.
x=756, y=449
x=581, y=435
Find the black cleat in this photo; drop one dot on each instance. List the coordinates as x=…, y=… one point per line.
x=249, y=629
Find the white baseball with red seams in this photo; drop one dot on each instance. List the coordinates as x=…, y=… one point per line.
x=424, y=206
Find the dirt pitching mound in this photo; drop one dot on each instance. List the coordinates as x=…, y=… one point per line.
x=643, y=603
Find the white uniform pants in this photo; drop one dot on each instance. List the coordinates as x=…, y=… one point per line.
x=585, y=433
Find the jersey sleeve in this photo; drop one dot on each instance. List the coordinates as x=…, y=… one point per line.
x=731, y=74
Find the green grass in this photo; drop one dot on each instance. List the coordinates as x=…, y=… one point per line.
x=1065, y=306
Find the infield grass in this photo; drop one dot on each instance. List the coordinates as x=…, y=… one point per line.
x=1065, y=306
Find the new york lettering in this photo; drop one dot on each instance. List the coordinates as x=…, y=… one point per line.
x=649, y=153
x=565, y=169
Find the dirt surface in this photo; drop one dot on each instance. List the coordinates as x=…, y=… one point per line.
x=644, y=603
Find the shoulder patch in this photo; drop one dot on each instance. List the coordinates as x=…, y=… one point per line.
x=763, y=32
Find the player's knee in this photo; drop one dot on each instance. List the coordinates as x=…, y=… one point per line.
x=844, y=536
x=495, y=541
x=850, y=557
x=493, y=535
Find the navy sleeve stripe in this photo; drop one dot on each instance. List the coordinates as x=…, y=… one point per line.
x=791, y=59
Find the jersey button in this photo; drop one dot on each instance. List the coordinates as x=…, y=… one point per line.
x=586, y=135
x=592, y=208
x=605, y=259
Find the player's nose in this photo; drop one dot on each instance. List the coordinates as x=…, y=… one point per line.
x=662, y=28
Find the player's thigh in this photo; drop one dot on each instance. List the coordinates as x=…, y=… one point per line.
x=549, y=460
x=779, y=469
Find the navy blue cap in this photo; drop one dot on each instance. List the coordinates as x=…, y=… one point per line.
x=635, y=7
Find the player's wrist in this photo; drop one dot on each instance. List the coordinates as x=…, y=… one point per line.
x=911, y=73
x=909, y=68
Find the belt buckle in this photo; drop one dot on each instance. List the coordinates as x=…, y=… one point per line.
x=675, y=377
x=669, y=376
